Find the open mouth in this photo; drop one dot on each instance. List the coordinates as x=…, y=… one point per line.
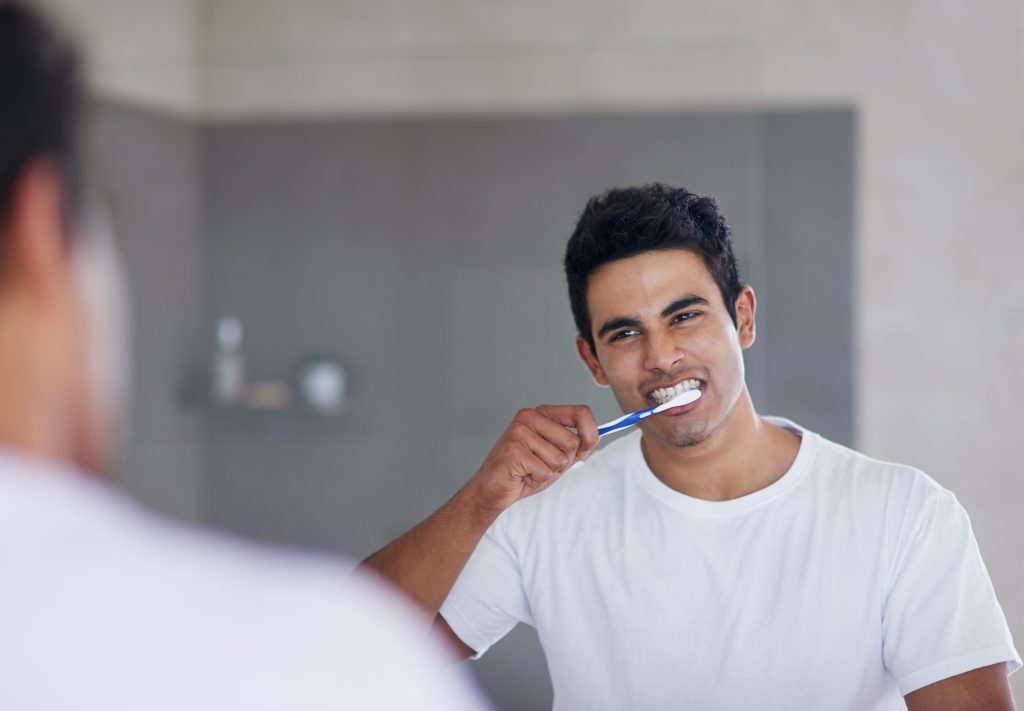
x=663, y=395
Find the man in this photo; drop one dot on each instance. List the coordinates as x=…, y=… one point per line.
x=713, y=559
x=103, y=606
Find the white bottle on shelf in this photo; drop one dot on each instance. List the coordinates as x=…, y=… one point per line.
x=228, y=373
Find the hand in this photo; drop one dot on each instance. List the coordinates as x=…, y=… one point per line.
x=535, y=450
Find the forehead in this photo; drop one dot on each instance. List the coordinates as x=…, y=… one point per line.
x=646, y=282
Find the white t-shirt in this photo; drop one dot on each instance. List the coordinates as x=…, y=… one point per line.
x=106, y=607
x=845, y=584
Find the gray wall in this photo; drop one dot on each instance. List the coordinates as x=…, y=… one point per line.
x=426, y=255
x=805, y=313
x=147, y=168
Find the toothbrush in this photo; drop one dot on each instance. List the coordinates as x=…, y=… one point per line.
x=684, y=398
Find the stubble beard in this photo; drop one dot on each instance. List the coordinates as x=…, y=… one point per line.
x=691, y=437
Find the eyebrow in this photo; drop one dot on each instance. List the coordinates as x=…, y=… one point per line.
x=629, y=321
x=683, y=303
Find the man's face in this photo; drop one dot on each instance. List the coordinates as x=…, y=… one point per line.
x=658, y=320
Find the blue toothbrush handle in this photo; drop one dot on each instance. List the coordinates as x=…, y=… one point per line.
x=624, y=422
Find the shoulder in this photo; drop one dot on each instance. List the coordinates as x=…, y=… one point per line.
x=244, y=624
x=903, y=494
x=834, y=464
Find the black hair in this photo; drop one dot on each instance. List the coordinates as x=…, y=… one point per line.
x=624, y=222
x=39, y=99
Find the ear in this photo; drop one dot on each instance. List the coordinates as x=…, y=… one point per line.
x=746, y=307
x=35, y=249
x=590, y=360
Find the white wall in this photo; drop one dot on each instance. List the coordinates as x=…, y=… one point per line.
x=139, y=52
x=939, y=87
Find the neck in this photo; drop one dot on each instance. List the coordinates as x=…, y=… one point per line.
x=25, y=426
x=743, y=454
x=34, y=414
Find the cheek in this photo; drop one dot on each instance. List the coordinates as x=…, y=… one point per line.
x=623, y=372
x=718, y=350
x=68, y=348
x=622, y=366
x=729, y=357
x=105, y=335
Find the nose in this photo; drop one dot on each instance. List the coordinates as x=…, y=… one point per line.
x=662, y=352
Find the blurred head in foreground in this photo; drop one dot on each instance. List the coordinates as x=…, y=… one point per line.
x=61, y=326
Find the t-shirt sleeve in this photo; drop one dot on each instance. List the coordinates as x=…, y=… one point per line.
x=940, y=615
x=488, y=598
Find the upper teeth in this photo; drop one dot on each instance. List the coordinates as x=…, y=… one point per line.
x=663, y=395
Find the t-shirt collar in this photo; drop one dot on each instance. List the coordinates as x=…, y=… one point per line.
x=637, y=468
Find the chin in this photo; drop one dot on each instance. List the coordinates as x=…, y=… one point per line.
x=689, y=435
x=688, y=439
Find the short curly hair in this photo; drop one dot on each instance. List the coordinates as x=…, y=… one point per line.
x=624, y=222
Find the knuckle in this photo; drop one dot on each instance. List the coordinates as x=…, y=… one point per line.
x=515, y=449
x=518, y=430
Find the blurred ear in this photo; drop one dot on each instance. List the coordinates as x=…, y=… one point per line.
x=35, y=245
x=746, y=308
x=590, y=360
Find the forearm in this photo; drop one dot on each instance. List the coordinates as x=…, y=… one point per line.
x=985, y=688
x=426, y=561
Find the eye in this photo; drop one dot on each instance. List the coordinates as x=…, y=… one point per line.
x=684, y=316
x=622, y=335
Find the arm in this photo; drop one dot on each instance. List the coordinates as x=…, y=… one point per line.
x=984, y=689
x=535, y=450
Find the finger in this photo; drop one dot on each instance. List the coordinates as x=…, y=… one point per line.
x=551, y=430
x=578, y=417
x=555, y=458
x=530, y=468
x=586, y=428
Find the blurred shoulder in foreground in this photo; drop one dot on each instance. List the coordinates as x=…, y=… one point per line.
x=109, y=607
